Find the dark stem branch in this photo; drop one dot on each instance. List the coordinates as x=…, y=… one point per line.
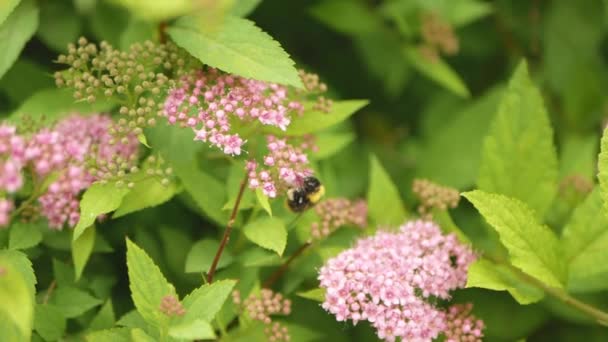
x=278, y=273
x=48, y=293
x=162, y=34
x=226, y=237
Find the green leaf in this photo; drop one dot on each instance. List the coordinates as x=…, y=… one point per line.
x=72, y=301
x=59, y=24
x=518, y=158
x=178, y=147
x=24, y=266
x=201, y=256
x=108, y=22
x=82, y=248
x=330, y=144
x=460, y=12
x=24, y=235
x=143, y=140
x=602, y=165
x=438, y=71
x=355, y=17
x=114, y=335
x=263, y=201
x=585, y=242
x=138, y=335
x=195, y=330
x=105, y=317
x=49, y=322
x=313, y=120
x=15, y=31
x=532, y=247
x=315, y=294
x=206, y=301
x=148, y=285
x=6, y=8
x=53, y=104
x=267, y=232
x=158, y=10
x=238, y=47
x=236, y=174
x=63, y=273
x=578, y=156
x=16, y=302
x=98, y=199
x=488, y=275
x=36, y=74
x=132, y=319
x=137, y=31
x=455, y=140
x=146, y=193
x=384, y=203
x=257, y=257
x=444, y=220
x=243, y=8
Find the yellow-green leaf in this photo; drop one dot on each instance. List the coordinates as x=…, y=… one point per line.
x=383, y=200
x=532, y=246
x=518, y=157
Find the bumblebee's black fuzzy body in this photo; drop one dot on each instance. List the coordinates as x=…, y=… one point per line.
x=300, y=199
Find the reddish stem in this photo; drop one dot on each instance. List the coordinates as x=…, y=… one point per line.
x=162, y=35
x=278, y=273
x=226, y=237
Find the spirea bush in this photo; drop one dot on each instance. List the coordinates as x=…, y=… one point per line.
x=329, y=170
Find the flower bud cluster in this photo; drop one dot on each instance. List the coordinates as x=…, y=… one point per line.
x=434, y=196
x=337, y=212
x=171, y=306
x=462, y=326
x=138, y=78
x=313, y=85
x=575, y=183
x=260, y=306
x=437, y=36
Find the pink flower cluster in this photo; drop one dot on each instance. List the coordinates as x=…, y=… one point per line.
x=261, y=306
x=6, y=207
x=210, y=101
x=388, y=279
x=12, y=159
x=284, y=166
x=64, y=151
x=71, y=142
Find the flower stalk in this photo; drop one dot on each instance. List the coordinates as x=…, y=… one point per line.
x=227, y=231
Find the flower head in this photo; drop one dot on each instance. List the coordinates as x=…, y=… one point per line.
x=283, y=167
x=6, y=206
x=210, y=102
x=12, y=159
x=388, y=279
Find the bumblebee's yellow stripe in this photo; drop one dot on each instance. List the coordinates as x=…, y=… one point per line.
x=316, y=196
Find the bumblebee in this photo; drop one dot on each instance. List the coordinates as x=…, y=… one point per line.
x=306, y=196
